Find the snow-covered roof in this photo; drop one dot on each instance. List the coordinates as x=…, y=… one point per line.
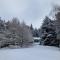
x=36, y=38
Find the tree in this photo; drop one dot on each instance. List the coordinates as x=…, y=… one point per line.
x=48, y=32
x=45, y=24
x=57, y=22
x=31, y=27
x=16, y=33
x=36, y=33
x=26, y=34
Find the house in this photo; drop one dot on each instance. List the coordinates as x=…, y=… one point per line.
x=36, y=39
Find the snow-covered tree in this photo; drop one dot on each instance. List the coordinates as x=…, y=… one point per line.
x=48, y=32
x=26, y=34
x=16, y=33
x=57, y=22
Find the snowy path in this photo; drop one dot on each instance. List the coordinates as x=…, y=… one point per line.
x=33, y=53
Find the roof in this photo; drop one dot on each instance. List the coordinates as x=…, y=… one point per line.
x=36, y=38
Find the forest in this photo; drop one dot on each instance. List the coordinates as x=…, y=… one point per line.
x=13, y=32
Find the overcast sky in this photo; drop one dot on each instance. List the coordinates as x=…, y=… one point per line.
x=31, y=11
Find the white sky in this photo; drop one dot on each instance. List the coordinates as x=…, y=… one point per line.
x=31, y=11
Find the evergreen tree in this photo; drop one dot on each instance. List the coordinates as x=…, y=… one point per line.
x=49, y=32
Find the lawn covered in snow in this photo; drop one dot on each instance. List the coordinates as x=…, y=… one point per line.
x=32, y=53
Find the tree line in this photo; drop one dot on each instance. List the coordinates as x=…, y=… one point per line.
x=50, y=29
x=15, y=33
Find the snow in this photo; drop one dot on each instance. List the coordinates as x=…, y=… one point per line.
x=36, y=52
x=37, y=38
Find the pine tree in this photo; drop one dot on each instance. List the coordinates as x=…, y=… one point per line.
x=49, y=32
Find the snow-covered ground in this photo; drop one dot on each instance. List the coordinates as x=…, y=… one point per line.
x=33, y=53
